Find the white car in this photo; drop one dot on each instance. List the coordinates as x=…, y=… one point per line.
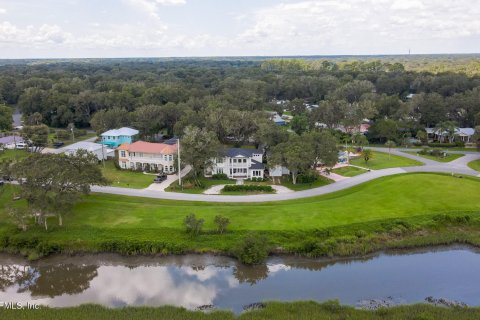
x=21, y=145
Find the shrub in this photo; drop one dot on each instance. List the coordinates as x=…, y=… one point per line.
x=307, y=178
x=247, y=188
x=80, y=132
x=193, y=225
x=253, y=249
x=222, y=223
x=219, y=176
x=63, y=135
x=442, y=145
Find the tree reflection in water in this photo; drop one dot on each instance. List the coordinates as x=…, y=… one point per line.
x=48, y=281
x=13, y=274
x=250, y=274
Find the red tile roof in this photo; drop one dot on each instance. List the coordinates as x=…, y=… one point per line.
x=148, y=147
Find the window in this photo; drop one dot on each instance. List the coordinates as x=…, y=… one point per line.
x=219, y=160
x=171, y=168
x=124, y=165
x=122, y=154
x=244, y=160
x=170, y=157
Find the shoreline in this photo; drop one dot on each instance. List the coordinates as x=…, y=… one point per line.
x=331, y=309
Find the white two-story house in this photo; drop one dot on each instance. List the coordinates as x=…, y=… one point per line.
x=147, y=156
x=239, y=163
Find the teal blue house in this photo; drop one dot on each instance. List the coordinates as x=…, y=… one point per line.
x=116, y=137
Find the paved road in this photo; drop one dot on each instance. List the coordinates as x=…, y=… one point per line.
x=457, y=166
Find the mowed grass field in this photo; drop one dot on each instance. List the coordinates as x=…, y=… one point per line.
x=347, y=222
x=475, y=165
x=388, y=197
x=448, y=158
x=382, y=160
x=126, y=178
x=349, y=171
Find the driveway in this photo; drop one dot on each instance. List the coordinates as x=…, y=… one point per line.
x=160, y=187
x=458, y=166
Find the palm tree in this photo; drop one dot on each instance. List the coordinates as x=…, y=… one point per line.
x=390, y=144
x=367, y=155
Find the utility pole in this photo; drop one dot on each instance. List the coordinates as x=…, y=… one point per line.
x=103, y=157
x=179, y=166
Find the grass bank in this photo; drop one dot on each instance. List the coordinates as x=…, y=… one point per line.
x=382, y=160
x=273, y=310
x=391, y=212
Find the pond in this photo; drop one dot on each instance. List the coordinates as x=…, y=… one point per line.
x=195, y=280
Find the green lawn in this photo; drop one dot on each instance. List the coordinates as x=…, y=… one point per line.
x=320, y=182
x=423, y=147
x=189, y=187
x=12, y=154
x=382, y=160
x=388, y=197
x=52, y=137
x=475, y=165
x=126, y=178
x=349, y=171
x=448, y=158
x=140, y=225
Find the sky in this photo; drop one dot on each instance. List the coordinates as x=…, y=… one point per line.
x=184, y=28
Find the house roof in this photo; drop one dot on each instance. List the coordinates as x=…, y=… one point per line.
x=278, y=119
x=10, y=139
x=239, y=152
x=458, y=131
x=465, y=131
x=257, y=165
x=171, y=141
x=121, y=132
x=84, y=145
x=149, y=147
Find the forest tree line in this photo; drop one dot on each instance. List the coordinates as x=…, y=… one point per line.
x=230, y=97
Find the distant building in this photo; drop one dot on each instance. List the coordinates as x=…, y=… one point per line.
x=239, y=163
x=147, y=156
x=101, y=151
x=462, y=134
x=116, y=137
x=11, y=142
x=279, y=121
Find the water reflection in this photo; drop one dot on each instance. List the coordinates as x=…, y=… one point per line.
x=192, y=281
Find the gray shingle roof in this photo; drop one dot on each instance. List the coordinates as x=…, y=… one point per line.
x=257, y=165
x=235, y=152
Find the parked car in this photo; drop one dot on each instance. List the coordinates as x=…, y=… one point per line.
x=58, y=144
x=21, y=145
x=160, y=178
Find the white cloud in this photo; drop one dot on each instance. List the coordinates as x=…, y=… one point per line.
x=2, y=10
x=359, y=25
x=289, y=27
x=152, y=6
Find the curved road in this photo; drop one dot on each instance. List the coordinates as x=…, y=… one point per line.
x=458, y=166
